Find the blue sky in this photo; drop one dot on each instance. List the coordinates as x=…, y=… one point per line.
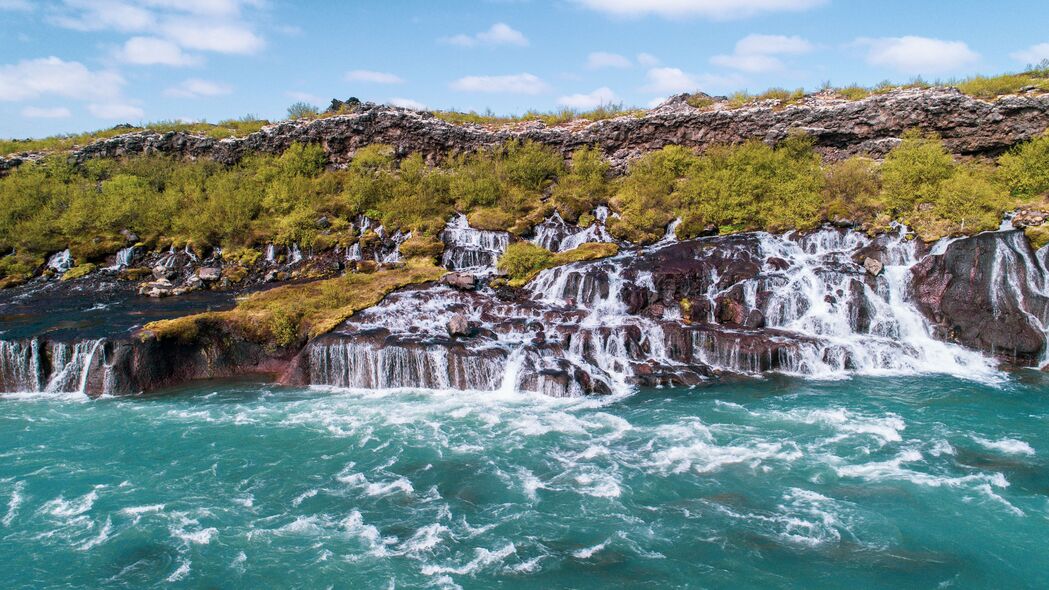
x=76, y=65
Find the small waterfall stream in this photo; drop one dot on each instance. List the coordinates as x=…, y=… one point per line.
x=54, y=367
x=471, y=249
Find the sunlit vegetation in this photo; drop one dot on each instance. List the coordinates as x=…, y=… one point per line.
x=221, y=130
x=288, y=315
x=522, y=261
x=559, y=117
x=297, y=198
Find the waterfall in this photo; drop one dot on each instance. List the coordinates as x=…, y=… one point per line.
x=61, y=262
x=54, y=367
x=124, y=258
x=472, y=249
x=800, y=304
x=401, y=365
x=556, y=235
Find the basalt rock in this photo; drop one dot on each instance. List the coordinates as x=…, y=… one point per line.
x=839, y=128
x=987, y=292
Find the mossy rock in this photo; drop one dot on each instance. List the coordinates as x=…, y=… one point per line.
x=79, y=271
x=422, y=246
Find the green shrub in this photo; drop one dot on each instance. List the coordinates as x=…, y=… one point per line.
x=522, y=259
x=1025, y=169
x=584, y=186
x=302, y=110
x=913, y=171
x=753, y=186
x=644, y=195
x=851, y=189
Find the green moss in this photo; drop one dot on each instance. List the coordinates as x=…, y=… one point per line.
x=524, y=260
x=1037, y=235
x=79, y=270
x=286, y=315
x=422, y=246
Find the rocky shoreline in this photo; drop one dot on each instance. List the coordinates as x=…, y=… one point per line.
x=824, y=304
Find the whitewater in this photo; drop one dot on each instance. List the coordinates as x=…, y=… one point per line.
x=873, y=482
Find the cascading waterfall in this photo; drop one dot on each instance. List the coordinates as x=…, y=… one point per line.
x=53, y=367
x=124, y=258
x=557, y=235
x=61, y=262
x=821, y=315
x=472, y=249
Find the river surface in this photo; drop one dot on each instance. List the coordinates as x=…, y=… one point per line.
x=869, y=482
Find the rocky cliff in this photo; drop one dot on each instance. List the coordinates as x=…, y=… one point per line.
x=840, y=128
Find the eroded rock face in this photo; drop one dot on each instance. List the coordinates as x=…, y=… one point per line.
x=840, y=128
x=987, y=292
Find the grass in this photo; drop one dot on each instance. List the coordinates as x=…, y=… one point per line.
x=287, y=315
x=221, y=130
x=551, y=118
x=524, y=260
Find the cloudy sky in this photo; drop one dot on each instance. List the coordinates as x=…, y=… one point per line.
x=75, y=65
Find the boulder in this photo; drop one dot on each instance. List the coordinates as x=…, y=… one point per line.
x=458, y=326
x=209, y=274
x=460, y=280
x=874, y=267
x=161, y=271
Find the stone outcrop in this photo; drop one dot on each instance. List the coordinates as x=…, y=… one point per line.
x=840, y=128
x=987, y=292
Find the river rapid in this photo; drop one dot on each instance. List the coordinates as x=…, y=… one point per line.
x=864, y=482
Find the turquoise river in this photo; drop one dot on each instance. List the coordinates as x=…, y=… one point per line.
x=870, y=482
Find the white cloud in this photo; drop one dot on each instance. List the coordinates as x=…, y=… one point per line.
x=655, y=102
x=509, y=84
x=602, y=59
x=206, y=25
x=498, y=34
x=46, y=113
x=52, y=76
x=714, y=9
x=197, y=88
x=918, y=55
x=673, y=80
x=201, y=7
x=1032, y=54
x=757, y=53
x=373, y=77
x=306, y=97
x=407, y=103
x=647, y=59
x=102, y=15
x=670, y=80
x=16, y=5
x=603, y=95
x=220, y=38
x=772, y=45
x=152, y=50
x=115, y=111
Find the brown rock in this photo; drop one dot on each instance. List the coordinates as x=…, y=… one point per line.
x=874, y=267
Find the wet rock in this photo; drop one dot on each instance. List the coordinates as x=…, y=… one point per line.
x=460, y=280
x=874, y=267
x=458, y=326
x=209, y=274
x=164, y=272
x=984, y=292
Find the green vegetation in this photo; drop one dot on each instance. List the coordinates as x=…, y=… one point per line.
x=302, y=110
x=522, y=261
x=221, y=130
x=79, y=270
x=289, y=314
x=602, y=112
x=296, y=198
